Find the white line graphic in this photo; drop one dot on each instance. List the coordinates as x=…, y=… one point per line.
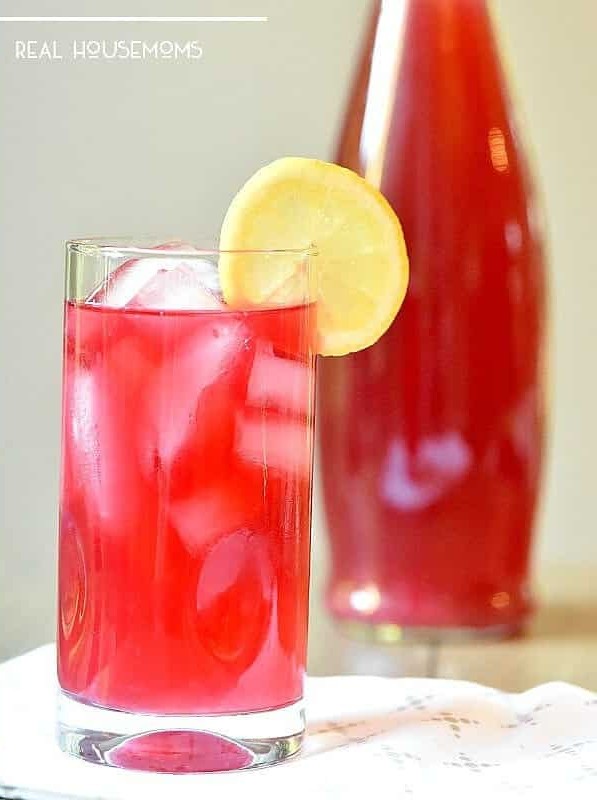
x=133, y=19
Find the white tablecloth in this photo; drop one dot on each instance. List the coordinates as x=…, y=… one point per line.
x=383, y=737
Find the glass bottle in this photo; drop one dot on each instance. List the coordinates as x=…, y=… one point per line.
x=432, y=440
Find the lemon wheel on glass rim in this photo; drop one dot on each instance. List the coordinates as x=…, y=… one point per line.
x=361, y=266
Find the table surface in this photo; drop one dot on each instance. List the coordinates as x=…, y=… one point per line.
x=414, y=735
x=560, y=643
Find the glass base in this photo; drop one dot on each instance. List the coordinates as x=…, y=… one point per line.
x=390, y=633
x=179, y=744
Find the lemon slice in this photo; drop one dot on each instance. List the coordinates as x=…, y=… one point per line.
x=361, y=266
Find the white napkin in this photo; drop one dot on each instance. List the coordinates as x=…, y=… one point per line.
x=389, y=737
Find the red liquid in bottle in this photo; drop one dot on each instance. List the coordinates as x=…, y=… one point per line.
x=432, y=439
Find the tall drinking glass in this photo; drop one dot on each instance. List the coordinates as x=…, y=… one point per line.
x=185, y=512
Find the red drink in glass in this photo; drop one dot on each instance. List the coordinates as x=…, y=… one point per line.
x=185, y=510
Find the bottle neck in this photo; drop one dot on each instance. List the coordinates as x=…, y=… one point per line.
x=446, y=15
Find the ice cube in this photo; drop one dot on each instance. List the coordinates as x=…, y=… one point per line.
x=275, y=443
x=178, y=413
x=122, y=285
x=176, y=283
x=235, y=597
x=179, y=285
x=99, y=461
x=204, y=518
x=80, y=391
x=280, y=383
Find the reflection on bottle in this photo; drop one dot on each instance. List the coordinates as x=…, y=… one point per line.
x=412, y=481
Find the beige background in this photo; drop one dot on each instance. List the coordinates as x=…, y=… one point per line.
x=130, y=147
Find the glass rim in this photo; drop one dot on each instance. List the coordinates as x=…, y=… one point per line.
x=119, y=246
